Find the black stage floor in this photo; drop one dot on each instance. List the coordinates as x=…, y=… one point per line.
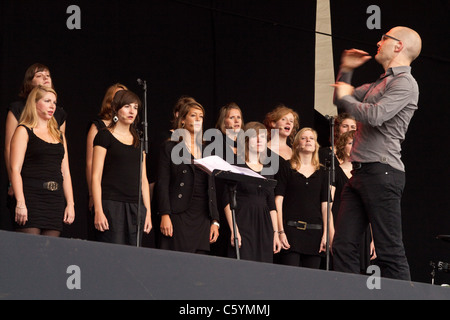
x=39, y=267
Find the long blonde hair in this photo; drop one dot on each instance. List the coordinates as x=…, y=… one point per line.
x=29, y=116
x=295, y=159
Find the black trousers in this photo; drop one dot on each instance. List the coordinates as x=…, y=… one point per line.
x=373, y=194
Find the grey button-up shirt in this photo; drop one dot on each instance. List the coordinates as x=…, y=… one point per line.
x=384, y=109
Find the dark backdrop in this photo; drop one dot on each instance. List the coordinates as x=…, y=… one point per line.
x=254, y=52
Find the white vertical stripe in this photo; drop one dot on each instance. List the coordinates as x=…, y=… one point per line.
x=324, y=71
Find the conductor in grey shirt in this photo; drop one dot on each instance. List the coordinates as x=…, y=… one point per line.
x=384, y=109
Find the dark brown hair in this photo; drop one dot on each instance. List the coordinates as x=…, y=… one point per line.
x=105, y=110
x=27, y=85
x=341, y=142
x=122, y=98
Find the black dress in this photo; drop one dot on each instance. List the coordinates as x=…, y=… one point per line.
x=16, y=109
x=254, y=203
x=42, y=163
x=192, y=226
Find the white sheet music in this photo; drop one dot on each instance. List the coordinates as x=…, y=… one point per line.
x=211, y=163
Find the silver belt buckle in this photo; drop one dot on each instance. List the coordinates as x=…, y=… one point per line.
x=51, y=185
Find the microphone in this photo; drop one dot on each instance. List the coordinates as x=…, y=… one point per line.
x=141, y=82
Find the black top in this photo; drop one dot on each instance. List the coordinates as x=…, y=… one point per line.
x=98, y=123
x=17, y=107
x=340, y=181
x=325, y=157
x=246, y=191
x=302, y=201
x=120, y=179
x=42, y=159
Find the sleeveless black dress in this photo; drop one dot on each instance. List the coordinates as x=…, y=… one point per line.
x=42, y=163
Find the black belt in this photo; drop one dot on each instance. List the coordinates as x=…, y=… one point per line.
x=48, y=185
x=301, y=225
x=358, y=165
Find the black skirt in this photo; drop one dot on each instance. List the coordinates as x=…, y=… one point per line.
x=122, y=221
x=45, y=208
x=191, y=227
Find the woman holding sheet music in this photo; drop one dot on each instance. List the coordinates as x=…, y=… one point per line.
x=256, y=222
x=186, y=194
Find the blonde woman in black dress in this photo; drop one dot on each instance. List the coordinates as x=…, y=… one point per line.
x=36, y=74
x=301, y=198
x=40, y=172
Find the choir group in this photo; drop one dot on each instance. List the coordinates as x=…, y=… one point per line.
x=286, y=224
x=290, y=223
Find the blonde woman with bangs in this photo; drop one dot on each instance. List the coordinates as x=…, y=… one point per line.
x=301, y=200
x=39, y=168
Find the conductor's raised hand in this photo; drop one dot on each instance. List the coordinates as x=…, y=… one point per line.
x=343, y=89
x=353, y=58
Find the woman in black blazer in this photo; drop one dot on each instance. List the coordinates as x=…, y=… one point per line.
x=186, y=194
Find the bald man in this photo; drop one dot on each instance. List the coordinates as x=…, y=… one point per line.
x=384, y=109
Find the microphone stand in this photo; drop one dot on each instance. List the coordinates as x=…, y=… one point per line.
x=233, y=205
x=144, y=148
x=331, y=182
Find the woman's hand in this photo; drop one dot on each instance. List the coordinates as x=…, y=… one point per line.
x=148, y=223
x=166, y=225
x=213, y=233
x=101, y=222
x=284, y=241
x=238, y=235
x=21, y=214
x=69, y=214
x=276, y=242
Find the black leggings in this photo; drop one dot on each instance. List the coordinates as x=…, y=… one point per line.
x=300, y=260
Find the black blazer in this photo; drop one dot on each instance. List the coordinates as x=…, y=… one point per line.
x=176, y=181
